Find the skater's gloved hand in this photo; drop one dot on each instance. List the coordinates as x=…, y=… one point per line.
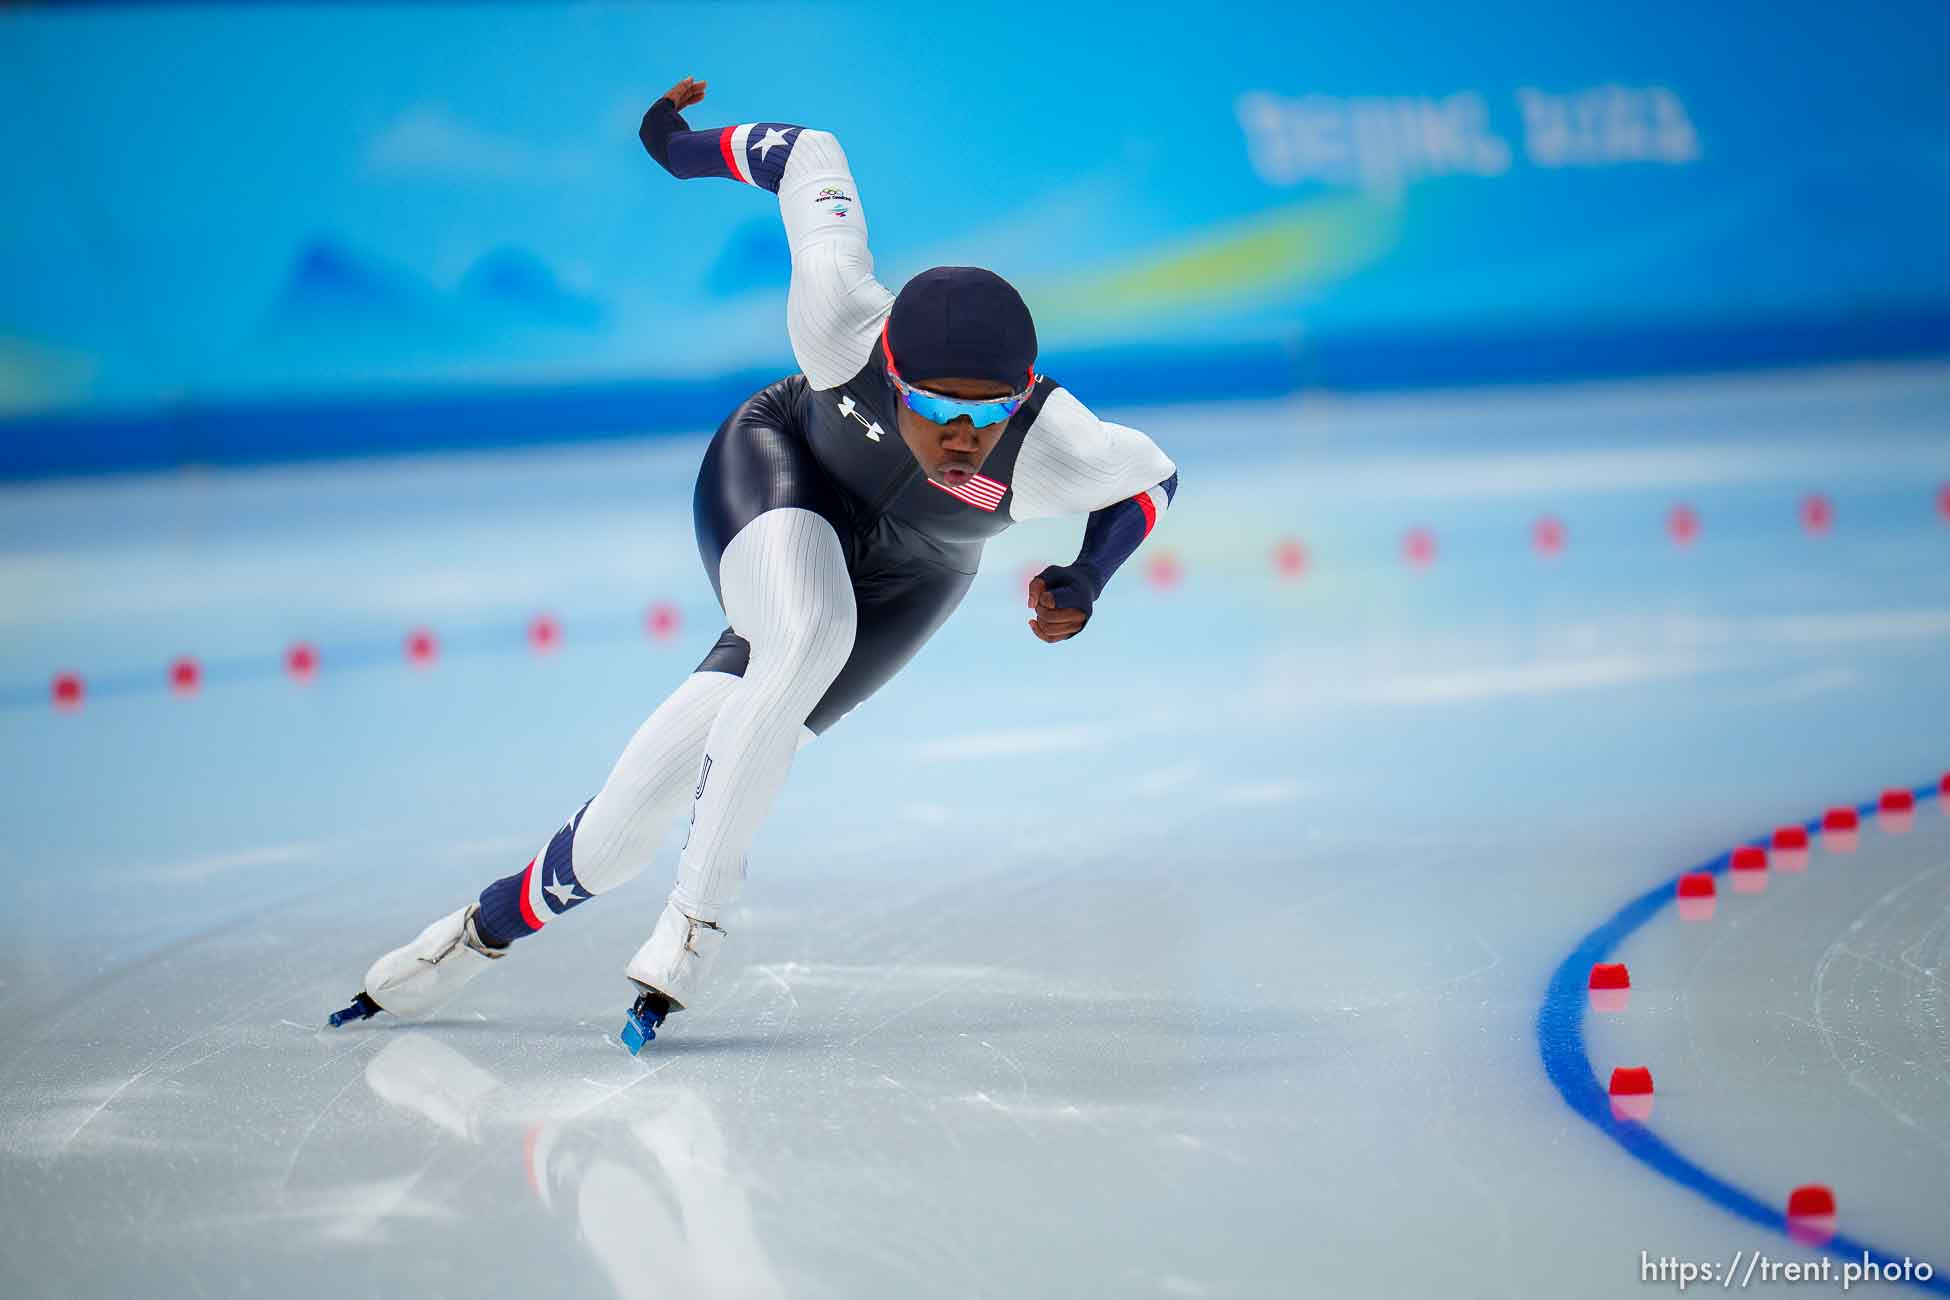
x=1062, y=596
x=666, y=118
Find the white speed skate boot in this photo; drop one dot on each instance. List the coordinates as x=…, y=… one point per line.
x=669, y=968
x=417, y=979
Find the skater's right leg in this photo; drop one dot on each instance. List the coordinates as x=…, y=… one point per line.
x=608, y=842
x=613, y=836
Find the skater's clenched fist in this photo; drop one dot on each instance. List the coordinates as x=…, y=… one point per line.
x=1062, y=600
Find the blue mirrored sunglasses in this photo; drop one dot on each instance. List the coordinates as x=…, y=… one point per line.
x=981, y=411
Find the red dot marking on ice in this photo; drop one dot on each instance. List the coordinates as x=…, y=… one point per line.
x=1811, y=1201
x=301, y=661
x=1749, y=857
x=1164, y=571
x=1817, y=513
x=421, y=648
x=662, y=621
x=185, y=675
x=1897, y=801
x=1697, y=884
x=67, y=690
x=1840, y=819
x=544, y=633
x=1289, y=558
x=1682, y=524
x=1418, y=547
x=1610, y=975
x=1548, y=536
x=1791, y=837
x=1631, y=1081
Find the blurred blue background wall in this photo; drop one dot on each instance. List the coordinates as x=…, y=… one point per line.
x=247, y=233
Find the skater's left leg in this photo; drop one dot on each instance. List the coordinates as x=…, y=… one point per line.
x=788, y=594
x=899, y=604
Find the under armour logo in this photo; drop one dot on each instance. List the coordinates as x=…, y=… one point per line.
x=850, y=409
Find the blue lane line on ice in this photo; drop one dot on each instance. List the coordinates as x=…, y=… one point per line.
x=1560, y=1039
x=463, y=642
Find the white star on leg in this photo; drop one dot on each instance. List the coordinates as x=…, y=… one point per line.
x=771, y=137
x=562, y=892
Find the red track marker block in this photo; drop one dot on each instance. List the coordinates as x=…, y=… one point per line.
x=1748, y=865
x=1611, y=987
x=1943, y=788
x=1811, y=1215
x=1289, y=558
x=1943, y=502
x=1611, y=975
x=301, y=661
x=1791, y=837
x=185, y=675
x=1682, y=525
x=1840, y=830
x=661, y=621
x=1817, y=514
x=1547, y=536
x=1811, y=1199
x=544, y=634
x=1631, y=1093
x=422, y=648
x=1418, y=547
x=1697, y=896
x=1163, y=571
x=1896, y=811
x=1631, y=1081
x=67, y=691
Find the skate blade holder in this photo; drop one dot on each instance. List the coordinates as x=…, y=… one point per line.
x=640, y=1028
x=362, y=1008
x=638, y=1031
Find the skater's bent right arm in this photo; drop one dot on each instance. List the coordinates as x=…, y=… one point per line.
x=835, y=307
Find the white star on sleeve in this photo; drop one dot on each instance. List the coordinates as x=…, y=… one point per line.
x=772, y=136
x=562, y=892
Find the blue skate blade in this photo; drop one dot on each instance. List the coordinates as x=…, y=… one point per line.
x=637, y=1031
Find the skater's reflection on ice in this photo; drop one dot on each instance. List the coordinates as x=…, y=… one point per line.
x=645, y=1178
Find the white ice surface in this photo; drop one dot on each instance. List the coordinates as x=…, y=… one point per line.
x=1201, y=956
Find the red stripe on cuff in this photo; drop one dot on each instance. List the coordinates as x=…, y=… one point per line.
x=731, y=163
x=1143, y=500
x=528, y=912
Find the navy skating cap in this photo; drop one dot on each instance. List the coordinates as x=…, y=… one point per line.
x=962, y=322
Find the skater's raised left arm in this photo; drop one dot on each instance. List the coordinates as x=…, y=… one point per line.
x=1074, y=463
